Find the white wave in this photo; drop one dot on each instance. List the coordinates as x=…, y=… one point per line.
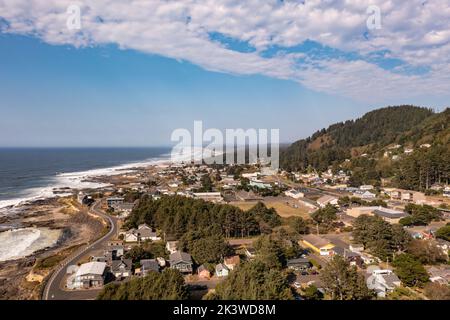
x=19, y=243
x=78, y=180
x=74, y=180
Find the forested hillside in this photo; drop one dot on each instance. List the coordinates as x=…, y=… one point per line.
x=375, y=144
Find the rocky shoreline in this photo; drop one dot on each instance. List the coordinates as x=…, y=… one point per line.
x=21, y=278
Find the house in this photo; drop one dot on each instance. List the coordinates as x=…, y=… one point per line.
x=88, y=275
x=121, y=268
x=327, y=199
x=172, y=246
x=356, y=247
x=250, y=252
x=131, y=236
x=318, y=244
x=446, y=192
x=149, y=265
x=259, y=184
x=181, y=261
x=114, y=250
x=368, y=259
x=354, y=258
x=146, y=233
x=368, y=195
x=142, y=233
x=124, y=209
x=366, y=187
x=113, y=201
x=383, y=282
x=232, y=262
x=209, y=196
x=389, y=215
x=407, y=196
x=222, y=270
x=294, y=194
x=203, y=272
x=299, y=264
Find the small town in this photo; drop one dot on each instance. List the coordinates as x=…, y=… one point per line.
x=308, y=224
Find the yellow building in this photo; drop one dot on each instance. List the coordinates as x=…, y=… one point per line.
x=318, y=244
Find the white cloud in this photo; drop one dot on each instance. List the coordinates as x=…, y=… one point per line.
x=414, y=31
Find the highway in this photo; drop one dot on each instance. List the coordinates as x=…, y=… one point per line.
x=54, y=286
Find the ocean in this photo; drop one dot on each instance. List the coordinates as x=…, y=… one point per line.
x=28, y=174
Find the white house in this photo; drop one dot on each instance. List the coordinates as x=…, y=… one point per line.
x=294, y=194
x=368, y=195
x=222, y=270
x=327, y=199
x=88, y=275
x=383, y=282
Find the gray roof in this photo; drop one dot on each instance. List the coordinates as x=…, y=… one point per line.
x=115, y=265
x=146, y=233
x=389, y=214
x=179, y=256
x=149, y=265
x=391, y=279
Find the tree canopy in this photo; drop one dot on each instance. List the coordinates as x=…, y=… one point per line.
x=254, y=280
x=168, y=285
x=343, y=282
x=379, y=236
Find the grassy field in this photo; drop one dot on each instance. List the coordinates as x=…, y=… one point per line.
x=283, y=209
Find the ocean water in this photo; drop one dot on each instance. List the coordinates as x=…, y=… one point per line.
x=28, y=174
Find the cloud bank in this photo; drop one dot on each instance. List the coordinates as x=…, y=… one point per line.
x=324, y=45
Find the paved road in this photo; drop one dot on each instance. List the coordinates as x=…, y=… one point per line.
x=53, y=289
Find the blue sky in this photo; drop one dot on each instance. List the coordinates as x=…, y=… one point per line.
x=132, y=75
x=104, y=96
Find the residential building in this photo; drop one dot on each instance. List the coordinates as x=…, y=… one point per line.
x=181, y=261
x=299, y=264
x=88, y=275
x=142, y=233
x=354, y=258
x=356, y=247
x=366, y=187
x=390, y=215
x=259, y=184
x=113, y=201
x=149, y=265
x=318, y=244
x=327, y=199
x=209, y=196
x=294, y=194
x=368, y=195
x=121, y=268
x=383, y=282
x=222, y=270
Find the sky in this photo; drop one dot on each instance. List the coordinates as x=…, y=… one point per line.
x=137, y=70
